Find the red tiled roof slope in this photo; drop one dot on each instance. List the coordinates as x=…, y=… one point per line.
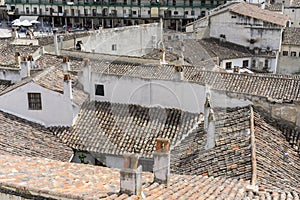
x=274, y=168
x=24, y=138
x=231, y=156
x=112, y=128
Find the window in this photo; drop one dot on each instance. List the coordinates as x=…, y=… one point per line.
x=34, y=101
x=134, y=12
x=192, y=12
x=253, y=63
x=266, y=63
x=228, y=65
x=285, y=53
x=175, y=12
x=245, y=63
x=114, y=47
x=233, y=16
x=99, y=90
x=186, y=12
x=293, y=53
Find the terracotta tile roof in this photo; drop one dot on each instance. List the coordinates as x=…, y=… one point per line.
x=4, y=84
x=48, y=60
x=275, y=7
x=48, y=178
x=23, y=138
x=291, y=36
x=256, y=12
x=111, y=128
x=7, y=53
x=52, y=79
x=224, y=50
x=76, y=181
x=231, y=157
x=273, y=86
x=274, y=169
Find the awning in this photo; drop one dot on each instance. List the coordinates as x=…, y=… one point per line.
x=29, y=18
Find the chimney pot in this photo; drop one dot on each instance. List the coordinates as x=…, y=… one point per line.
x=67, y=77
x=131, y=176
x=162, y=145
x=65, y=59
x=161, y=157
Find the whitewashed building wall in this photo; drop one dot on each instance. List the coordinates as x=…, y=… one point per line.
x=182, y=95
x=57, y=110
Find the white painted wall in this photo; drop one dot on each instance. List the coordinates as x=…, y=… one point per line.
x=272, y=64
x=132, y=41
x=294, y=14
x=241, y=34
x=235, y=62
x=10, y=75
x=169, y=94
x=57, y=110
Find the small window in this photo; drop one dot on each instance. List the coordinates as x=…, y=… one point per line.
x=253, y=63
x=293, y=10
x=245, y=63
x=34, y=101
x=266, y=63
x=285, y=53
x=134, y=12
x=114, y=47
x=228, y=65
x=186, y=12
x=192, y=12
x=175, y=12
x=99, y=90
x=233, y=16
x=293, y=53
x=149, y=12
x=292, y=22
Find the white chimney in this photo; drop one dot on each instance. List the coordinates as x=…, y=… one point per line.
x=55, y=43
x=68, y=86
x=178, y=73
x=161, y=157
x=210, y=143
x=206, y=111
x=66, y=64
x=131, y=175
x=86, y=80
x=25, y=67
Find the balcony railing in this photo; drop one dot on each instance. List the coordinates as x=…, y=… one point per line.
x=108, y=3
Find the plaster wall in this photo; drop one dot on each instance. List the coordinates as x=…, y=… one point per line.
x=240, y=30
x=132, y=41
x=289, y=64
x=294, y=14
x=182, y=95
x=10, y=75
x=57, y=110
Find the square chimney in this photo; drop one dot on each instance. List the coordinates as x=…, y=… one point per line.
x=161, y=157
x=131, y=175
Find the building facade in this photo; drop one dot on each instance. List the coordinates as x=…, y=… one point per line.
x=111, y=13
